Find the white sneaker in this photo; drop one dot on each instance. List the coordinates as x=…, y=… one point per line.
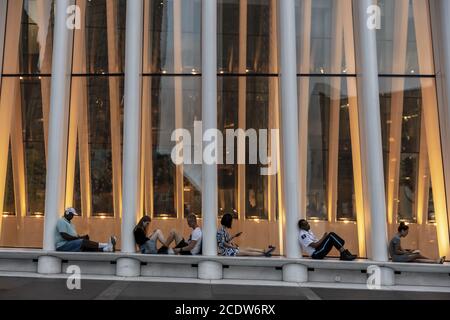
x=112, y=243
x=170, y=251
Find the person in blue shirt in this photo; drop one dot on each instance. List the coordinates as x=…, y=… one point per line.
x=67, y=238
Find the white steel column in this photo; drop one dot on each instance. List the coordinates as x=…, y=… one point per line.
x=289, y=125
x=441, y=8
x=131, y=146
x=430, y=115
x=57, y=134
x=370, y=136
x=209, y=269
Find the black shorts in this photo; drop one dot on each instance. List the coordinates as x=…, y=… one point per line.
x=183, y=244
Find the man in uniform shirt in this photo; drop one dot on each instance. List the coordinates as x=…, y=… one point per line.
x=67, y=238
x=318, y=249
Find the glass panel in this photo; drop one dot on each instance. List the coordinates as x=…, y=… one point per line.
x=9, y=206
x=256, y=32
x=397, y=54
x=227, y=119
x=257, y=117
x=162, y=106
x=346, y=209
x=77, y=185
x=34, y=144
x=34, y=26
x=329, y=30
x=96, y=47
x=100, y=143
x=431, y=217
x=192, y=112
x=173, y=36
x=318, y=142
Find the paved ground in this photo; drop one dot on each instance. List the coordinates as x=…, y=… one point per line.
x=32, y=288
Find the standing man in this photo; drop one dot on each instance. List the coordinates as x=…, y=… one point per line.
x=194, y=245
x=318, y=249
x=67, y=238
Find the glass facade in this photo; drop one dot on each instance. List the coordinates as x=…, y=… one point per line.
x=332, y=149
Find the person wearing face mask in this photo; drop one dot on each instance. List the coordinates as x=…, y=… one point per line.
x=148, y=243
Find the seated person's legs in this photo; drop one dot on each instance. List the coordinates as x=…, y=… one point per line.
x=150, y=247
x=333, y=240
x=92, y=246
x=71, y=246
x=174, y=236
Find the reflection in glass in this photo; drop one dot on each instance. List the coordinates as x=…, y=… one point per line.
x=97, y=17
x=397, y=42
x=36, y=37
x=405, y=117
x=100, y=148
x=34, y=144
x=318, y=141
x=227, y=109
x=250, y=32
x=8, y=206
x=162, y=106
x=324, y=30
x=173, y=36
x=346, y=209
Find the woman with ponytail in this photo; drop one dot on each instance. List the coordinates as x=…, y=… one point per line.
x=398, y=254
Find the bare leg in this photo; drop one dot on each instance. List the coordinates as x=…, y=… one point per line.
x=158, y=235
x=422, y=259
x=174, y=236
x=250, y=252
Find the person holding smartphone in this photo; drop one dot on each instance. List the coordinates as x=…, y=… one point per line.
x=227, y=248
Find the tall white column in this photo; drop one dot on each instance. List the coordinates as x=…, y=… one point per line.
x=131, y=144
x=289, y=131
x=370, y=135
x=209, y=269
x=58, y=133
x=441, y=37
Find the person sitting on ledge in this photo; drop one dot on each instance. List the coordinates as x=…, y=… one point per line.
x=228, y=248
x=194, y=245
x=318, y=249
x=398, y=254
x=148, y=244
x=67, y=238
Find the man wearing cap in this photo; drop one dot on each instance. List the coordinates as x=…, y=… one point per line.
x=67, y=238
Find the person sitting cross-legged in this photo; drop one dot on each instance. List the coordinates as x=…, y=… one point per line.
x=67, y=238
x=319, y=248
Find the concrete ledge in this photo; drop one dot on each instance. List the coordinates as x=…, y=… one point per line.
x=237, y=268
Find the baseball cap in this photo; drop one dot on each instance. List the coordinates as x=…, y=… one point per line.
x=72, y=211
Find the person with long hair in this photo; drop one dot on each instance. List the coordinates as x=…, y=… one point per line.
x=398, y=254
x=227, y=248
x=148, y=243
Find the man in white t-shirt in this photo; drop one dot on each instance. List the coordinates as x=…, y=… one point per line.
x=194, y=245
x=319, y=248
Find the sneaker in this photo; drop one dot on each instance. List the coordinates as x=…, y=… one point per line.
x=112, y=243
x=268, y=253
x=347, y=256
x=441, y=260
